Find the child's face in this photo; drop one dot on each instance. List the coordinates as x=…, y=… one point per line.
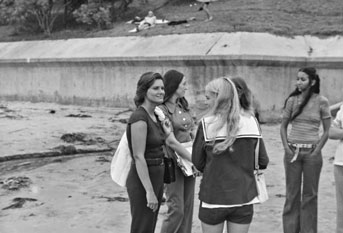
x=150, y=13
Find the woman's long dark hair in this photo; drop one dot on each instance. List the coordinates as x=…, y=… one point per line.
x=244, y=93
x=172, y=80
x=313, y=76
x=144, y=83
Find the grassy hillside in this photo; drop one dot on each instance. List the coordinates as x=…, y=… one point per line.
x=280, y=17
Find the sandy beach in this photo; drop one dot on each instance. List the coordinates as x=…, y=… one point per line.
x=75, y=193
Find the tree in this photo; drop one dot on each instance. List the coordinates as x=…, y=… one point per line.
x=95, y=12
x=43, y=12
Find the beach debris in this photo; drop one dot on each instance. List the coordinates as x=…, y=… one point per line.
x=72, y=137
x=67, y=150
x=79, y=115
x=124, y=111
x=18, y=202
x=122, y=120
x=82, y=138
x=102, y=159
x=110, y=199
x=5, y=112
x=15, y=183
x=59, y=160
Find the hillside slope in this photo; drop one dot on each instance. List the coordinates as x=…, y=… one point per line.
x=280, y=17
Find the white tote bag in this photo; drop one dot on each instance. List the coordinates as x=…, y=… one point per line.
x=259, y=178
x=121, y=162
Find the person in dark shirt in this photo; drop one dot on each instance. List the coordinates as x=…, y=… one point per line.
x=147, y=134
x=224, y=150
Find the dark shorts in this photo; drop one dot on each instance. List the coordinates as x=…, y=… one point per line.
x=239, y=215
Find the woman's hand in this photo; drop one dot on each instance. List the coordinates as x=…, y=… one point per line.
x=315, y=152
x=288, y=151
x=152, y=202
x=166, y=124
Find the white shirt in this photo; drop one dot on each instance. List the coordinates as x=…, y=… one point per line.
x=338, y=123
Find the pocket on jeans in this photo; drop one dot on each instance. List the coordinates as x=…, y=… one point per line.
x=289, y=155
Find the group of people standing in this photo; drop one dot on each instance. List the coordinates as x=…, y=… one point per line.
x=224, y=146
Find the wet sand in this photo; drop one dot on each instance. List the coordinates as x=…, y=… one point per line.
x=75, y=193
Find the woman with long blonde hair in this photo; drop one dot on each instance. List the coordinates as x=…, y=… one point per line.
x=224, y=150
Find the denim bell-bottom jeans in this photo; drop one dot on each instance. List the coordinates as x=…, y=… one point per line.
x=180, y=201
x=300, y=211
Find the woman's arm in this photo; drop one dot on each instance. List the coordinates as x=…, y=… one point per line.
x=326, y=126
x=335, y=133
x=283, y=134
x=198, y=152
x=177, y=147
x=172, y=142
x=138, y=139
x=263, y=158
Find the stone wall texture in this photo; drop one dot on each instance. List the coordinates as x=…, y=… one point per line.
x=104, y=71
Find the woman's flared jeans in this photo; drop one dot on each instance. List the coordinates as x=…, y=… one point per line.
x=300, y=211
x=180, y=200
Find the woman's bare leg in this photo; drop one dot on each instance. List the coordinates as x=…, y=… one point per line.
x=237, y=228
x=206, y=228
x=207, y=11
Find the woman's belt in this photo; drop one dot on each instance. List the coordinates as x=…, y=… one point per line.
x=299, y=146
x=154, y=161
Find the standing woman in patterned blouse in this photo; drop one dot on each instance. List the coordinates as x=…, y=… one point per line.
x=305, y=109
x=179, y=194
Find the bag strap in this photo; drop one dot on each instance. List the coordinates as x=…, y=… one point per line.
x=257, y=152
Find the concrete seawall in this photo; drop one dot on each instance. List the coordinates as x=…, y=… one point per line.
x=104, y=71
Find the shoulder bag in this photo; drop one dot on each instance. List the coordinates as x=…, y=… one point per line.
x=121, y=162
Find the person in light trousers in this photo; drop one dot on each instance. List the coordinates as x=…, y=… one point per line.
x=336, y=133
x=179, y=194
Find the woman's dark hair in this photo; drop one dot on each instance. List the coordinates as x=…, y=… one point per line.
x=172, y=80
x=144, y=83
x=313, y=76
x=244, y=93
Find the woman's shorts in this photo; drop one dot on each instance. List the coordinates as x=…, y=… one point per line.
x=239, y=215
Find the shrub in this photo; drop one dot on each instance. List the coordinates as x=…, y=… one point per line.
x=94, y=13
x=6, y=11
x=29, y=14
